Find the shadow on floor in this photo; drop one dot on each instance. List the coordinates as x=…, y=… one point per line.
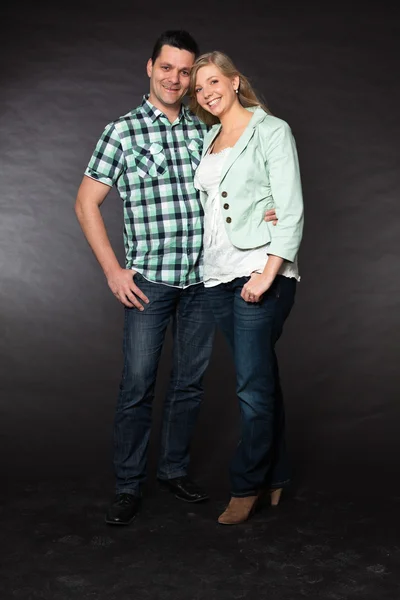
x=318, y=544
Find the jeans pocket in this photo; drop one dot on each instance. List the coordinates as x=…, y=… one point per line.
x=276, y=287
x=272, y=295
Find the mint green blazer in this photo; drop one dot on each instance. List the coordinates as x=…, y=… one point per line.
x=261, y=172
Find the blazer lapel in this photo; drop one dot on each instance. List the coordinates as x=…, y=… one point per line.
x=242, y=142
x=237, y=149
x=209, y=139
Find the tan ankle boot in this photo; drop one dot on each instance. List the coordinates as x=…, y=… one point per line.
x=238, y=510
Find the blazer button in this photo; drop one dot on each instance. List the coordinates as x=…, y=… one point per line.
x=224, y=194
x=228, y=220
x=226, y=206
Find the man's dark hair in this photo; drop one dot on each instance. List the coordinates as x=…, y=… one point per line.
x=176, y=38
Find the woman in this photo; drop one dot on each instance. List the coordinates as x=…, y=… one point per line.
x=249, y=165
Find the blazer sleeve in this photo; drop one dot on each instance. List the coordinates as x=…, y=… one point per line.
x=284, y=174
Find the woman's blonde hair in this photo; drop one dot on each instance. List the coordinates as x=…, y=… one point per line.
x=246, y=94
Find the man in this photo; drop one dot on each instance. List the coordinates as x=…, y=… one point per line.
x=151, y=154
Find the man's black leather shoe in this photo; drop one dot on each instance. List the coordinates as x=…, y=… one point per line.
x=123, y=510
x=184, y=489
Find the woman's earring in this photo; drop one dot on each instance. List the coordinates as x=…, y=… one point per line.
x=237, y=90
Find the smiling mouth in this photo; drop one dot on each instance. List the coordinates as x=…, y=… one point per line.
x=169, y=89
x=213, y=102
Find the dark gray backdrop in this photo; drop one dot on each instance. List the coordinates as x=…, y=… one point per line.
x=330, y=70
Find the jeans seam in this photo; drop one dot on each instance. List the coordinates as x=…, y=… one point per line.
x=277, y=484
x=168, y=425
x=173, y=475
x=244, y=494
x=131, y=491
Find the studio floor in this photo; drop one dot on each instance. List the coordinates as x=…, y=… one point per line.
x=318, y=543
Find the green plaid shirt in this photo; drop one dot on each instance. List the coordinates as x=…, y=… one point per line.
x=152, y=164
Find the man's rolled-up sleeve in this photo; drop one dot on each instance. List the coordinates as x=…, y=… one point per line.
x=108, y=160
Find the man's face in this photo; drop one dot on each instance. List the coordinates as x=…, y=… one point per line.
x=169, y=77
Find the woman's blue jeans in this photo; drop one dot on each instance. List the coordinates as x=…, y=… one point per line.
x=144, y=333
x=252, y=330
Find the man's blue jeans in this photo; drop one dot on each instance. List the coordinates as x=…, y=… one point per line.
x=193, y=328
x=252, y=330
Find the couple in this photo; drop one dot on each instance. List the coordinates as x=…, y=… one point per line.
x=178, y=177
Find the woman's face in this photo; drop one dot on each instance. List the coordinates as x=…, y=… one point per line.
x=214, y=91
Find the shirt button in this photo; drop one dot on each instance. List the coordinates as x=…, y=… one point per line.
x=228, y=220
x=224, y=194
x=226, y=206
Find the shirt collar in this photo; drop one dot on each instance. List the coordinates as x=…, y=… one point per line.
x=154, y=113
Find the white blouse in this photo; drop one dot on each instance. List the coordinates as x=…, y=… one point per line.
x=224, y=262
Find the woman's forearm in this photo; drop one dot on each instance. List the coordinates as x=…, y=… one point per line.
x=271, y=268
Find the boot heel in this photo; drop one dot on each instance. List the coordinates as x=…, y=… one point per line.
x=275, y=496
